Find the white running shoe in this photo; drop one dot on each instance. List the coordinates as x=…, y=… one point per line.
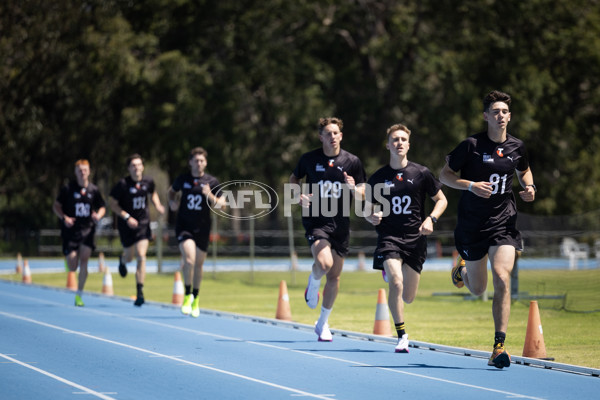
x=323, y=333
x=402, y=346
x=311, y=294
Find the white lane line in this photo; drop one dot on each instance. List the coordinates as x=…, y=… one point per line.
x=201, y=333
x=58, y=378
x=274, y=385
x=322, y=356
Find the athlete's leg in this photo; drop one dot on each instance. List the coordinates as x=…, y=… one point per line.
x=332, y=285
x=323, y=258
x=502, y=260
x=84, y=255
x=475, y=275
x=200, y=257
x=128, y=253
x=141, y=248
x=188, y=255
x=330, y=292
x=411, y=283
x=72, y=260
x=393, y=269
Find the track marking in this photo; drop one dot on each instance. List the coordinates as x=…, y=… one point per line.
x=202, y=333
x=173, y=358
x=83, y=389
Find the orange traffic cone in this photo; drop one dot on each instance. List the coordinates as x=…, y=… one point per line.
x=382, y=316
x=72, y=280
x=178, y=290
x=19, y=267
x=101, y=265
x=107, y=283
x=534, y=346
x=283, y=303
x=26, y=272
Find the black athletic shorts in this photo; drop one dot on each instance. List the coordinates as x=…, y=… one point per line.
x=73, y=239
x=199, y=236
x=338, y=238
x=474, y=245
x=389, y=247
x=129, y=236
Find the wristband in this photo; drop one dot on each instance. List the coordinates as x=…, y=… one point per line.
x=470, y=186
x=433, y=219
x=533, y=186
x=126, y=217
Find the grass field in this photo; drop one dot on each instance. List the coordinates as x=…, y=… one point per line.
x=440, y=314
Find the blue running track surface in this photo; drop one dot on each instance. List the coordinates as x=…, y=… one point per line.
x=109, y=349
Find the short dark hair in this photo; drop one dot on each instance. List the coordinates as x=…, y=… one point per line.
x=132, y=157
x=493, y=97
x=198, y=150
x=323, y=122
x=397, y=127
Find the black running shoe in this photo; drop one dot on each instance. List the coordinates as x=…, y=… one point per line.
x=500, y=357
x=122, y=268
x=139, y=300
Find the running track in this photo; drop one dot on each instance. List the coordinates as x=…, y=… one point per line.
x=110, y=349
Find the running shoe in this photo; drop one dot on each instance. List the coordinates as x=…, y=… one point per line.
x=78, y=301
x=311, y=294
x=139, y=300
x=402, y=346
x=500, y=357
x=384, y=275
x=122, y=267
x=196, y=307
x=186, y=307
x=456, y=276
x=323, y=333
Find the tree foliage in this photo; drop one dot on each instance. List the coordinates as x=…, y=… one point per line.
x=248, y=80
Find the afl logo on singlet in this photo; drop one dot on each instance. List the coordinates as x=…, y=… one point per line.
x=244, y=200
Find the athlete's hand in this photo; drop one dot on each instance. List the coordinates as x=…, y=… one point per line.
x=132, y=222
x=375, y=218
x=482, y=189
x=527, y=194
x=305, y=200
x=69, y=221
x=95, y=217
x=206, y=190
x=426, y=227
x=173, y=205
x=349, y=181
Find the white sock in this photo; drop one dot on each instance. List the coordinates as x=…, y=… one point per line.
x=324, y=316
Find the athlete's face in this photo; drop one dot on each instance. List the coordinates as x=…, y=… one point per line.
x=398, y=143
x=82, y=173
x=198, y=164
x=497, y=116
x=331, y=137
x=136, y=169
